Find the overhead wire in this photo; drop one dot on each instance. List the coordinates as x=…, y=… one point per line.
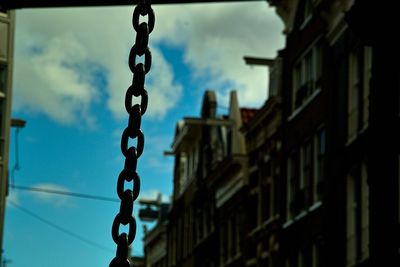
x=65, y=193
x=60, y=228
x=16, y=167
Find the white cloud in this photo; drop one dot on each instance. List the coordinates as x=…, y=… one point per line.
x=163, y=92
x=54, y=47
x=51, y=42
x=57, y=200
x=217, y=36
x=214, y=38
x=54, y=78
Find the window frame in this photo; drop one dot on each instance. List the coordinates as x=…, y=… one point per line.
x=319, y=163
x=358, y=90
x=306, y=78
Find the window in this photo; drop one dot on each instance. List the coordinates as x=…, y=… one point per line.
x=200, y=225
x=253, y=207
x=306, y=174
x=234, y=236
x=266, y=168
x=267, y=194
x=208, y=223
x=183, y=169
x=316, y=256
x=191, y=234
x=307, y=9
x=253, y=156
x=276, y=193
x=254, y=179
x=3, y=79
x=357, y=222
x=300, y=259
x=267, y=201
x=174, y=238
x=307, y=12
x=366, y=84
x=293, y=185
x=319, y=166
x=353, y=100
x=224, y=242
x=305, y=257
x=185, y=246
x=360, y=65
x=306, y=76
x=180, y=238
x=4, y=32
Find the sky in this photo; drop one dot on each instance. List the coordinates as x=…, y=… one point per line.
x=69, y=80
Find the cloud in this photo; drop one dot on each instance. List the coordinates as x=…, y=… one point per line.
x=54, y=78
x=163, y=92
x=59, y=52
x=215, y=38
x=53, y=199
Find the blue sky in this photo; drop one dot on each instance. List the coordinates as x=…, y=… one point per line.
x=70, y=77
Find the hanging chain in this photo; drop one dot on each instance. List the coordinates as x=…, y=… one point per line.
x=133, y=131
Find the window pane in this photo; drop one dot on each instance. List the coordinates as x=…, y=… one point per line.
x=3, y=77
x=353, y=95
x=366, y=85
x=3, y=40
x=309, y=73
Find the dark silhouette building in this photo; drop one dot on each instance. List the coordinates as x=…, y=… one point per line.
x=333, y=113
x=210, y=171
x=263, y=134
x=155, y=239
x=312, y=177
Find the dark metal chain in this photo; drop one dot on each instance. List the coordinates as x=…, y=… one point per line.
x=133, y=131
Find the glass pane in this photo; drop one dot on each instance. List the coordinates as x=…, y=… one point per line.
x=3, y=77
x=3, y=40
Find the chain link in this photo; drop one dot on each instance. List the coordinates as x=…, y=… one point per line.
x=133, y=131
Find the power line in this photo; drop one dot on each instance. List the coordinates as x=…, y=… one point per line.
x=60, y=228
x=65, y=193
x=68, y=194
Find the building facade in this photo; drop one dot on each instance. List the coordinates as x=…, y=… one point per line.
x=155, y=240
x=263, y=137
x=209, y=181
x=312, y=178
x=340, y=161
x=6, y=55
